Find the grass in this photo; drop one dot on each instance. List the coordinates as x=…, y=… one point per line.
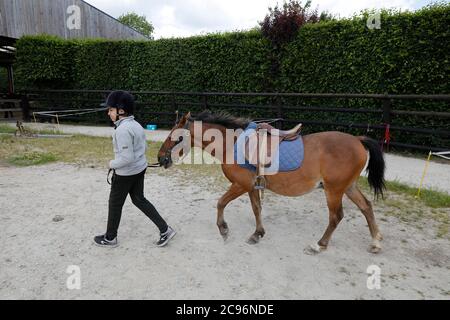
x=78, y=149
x=429, y=197
x=400, y=201
x=432, y=198
x=4, y=128
x=32, y=158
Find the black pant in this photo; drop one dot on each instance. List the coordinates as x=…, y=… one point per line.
x=120, y=188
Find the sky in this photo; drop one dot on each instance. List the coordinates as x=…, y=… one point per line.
x=183, y=18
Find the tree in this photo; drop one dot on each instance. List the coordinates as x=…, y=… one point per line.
x=282, y=24
x=137, y=22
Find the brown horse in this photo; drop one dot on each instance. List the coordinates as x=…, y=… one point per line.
x=336, y=159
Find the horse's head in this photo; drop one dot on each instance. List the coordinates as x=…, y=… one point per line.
x=174, y=139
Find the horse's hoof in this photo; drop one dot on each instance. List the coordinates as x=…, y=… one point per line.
x=224, y=233
x=375, y=249
x=314, y=249
x=254, y=239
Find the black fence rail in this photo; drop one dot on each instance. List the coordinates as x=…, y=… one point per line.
x=404, y=121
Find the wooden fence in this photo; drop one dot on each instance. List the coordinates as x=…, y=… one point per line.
x=161, y=108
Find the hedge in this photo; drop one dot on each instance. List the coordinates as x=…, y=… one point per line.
x=45, y=62
x=408, y=55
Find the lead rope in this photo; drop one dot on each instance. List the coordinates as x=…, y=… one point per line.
x=154, y=165
x=109, y=173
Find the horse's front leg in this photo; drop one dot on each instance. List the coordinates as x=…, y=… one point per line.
x=256, y=206
x=234, y=192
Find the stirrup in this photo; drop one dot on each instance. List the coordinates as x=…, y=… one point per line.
x=260, y=183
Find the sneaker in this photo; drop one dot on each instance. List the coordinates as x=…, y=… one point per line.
x=165, y=237
x=101, y=241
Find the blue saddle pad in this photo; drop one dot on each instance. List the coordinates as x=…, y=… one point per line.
x=290, y=153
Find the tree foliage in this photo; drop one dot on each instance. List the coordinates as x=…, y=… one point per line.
x=138, y=23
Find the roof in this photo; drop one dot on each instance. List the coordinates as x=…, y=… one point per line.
x=56, y=17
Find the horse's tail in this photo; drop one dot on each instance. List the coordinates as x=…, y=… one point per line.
x=376, y=165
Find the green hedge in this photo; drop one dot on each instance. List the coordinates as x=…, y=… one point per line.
x=220, y=62
x=45, y=62
x=102, y=64
x=408, y=55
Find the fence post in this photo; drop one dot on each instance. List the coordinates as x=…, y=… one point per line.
x=174, y=107
x=52, y=105
x=205, y=102
x=387, y=108
x=25, y=106
x=11, y=89
x=279, y=104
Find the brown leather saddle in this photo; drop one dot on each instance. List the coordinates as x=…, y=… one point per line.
x=284, y=135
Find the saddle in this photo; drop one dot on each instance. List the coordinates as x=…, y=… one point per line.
x=263, y=144
x=284, y=135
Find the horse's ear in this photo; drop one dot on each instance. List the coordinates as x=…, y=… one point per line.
x=188, y=115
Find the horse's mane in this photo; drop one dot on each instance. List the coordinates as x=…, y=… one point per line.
x=223, y=118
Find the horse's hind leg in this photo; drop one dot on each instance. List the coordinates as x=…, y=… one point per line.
x=234, y=192
x=365, y=206
x=256, y=206
x=336, y=213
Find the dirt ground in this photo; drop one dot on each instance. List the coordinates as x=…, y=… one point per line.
x=37, y=246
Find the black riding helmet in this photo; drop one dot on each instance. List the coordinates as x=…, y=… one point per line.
x=121, y=100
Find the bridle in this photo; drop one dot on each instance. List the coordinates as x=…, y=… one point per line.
x=168, y=154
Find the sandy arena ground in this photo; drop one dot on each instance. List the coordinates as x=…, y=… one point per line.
x=36, y=251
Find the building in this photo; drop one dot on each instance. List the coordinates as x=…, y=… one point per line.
x=67, y=19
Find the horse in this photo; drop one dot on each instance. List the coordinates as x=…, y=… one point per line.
x=333, y=160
